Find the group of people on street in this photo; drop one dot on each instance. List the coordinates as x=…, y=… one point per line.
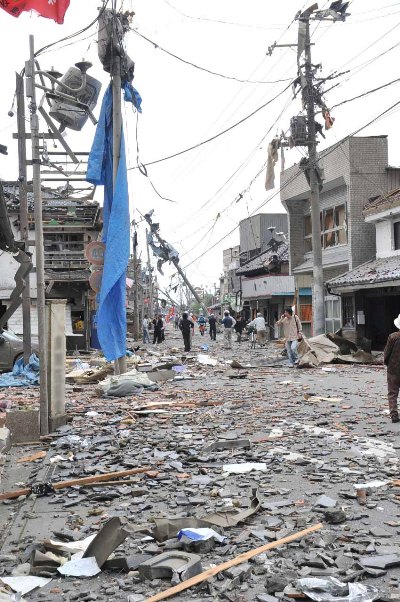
x=293, y=334
x=158, y=326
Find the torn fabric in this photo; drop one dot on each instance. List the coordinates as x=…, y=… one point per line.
x=272, y=160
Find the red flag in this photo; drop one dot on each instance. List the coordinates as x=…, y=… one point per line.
x=51, y=9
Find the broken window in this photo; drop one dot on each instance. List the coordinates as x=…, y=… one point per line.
x=334, y=229
x=348, y=312
x=396, y=236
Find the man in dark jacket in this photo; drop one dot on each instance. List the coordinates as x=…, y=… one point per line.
x=185, y=325
x=212, y=320
x=391, y=357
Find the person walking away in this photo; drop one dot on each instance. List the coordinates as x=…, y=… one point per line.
x=176, y=322
x=229, y=324
x=186, y=325
x=158, y=323
x=164, y=323
x=260, y=327
x=146, y=335
x=391, y=358
x=212, y=321
x=239, y=329
x=293, y=333
x=202, y=324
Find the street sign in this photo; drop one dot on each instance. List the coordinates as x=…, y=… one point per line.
x=95, y=280
x=94, y=252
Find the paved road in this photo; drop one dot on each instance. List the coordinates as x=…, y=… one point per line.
x=308, y=447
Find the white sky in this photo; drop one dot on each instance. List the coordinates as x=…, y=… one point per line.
x=183, y=105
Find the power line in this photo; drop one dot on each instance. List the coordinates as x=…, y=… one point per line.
x=77, y=33
x=220, y=133
x=325, y=154
x=175, y=56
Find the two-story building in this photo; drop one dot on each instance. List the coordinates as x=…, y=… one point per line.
x=370, y=294
x=70, y=222
x=267, y=286
x=352, y=171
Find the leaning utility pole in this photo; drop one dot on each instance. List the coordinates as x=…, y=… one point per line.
x=23, y=213
x=175, y=261
x=39, y=244
x=318, y=275
x=136, y=329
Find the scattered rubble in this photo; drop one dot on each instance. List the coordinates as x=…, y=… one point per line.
x=138, y=479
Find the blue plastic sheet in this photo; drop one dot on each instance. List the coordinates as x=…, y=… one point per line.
x=133, y=96
x=22, y=376
x=111, y=314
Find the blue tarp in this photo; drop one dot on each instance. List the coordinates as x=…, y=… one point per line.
x=22, y=376
x=111, y=313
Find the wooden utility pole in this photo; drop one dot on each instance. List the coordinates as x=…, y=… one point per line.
x=23, y=213
x=318, y=275
x=151, y=291
x=136, y=326
x=120, y=363
x=39, y=244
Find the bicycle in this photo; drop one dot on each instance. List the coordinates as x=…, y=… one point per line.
x=253, y=338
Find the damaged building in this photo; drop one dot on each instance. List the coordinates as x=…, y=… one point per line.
x=70, y=221
x=370, y=294
x=351, y=172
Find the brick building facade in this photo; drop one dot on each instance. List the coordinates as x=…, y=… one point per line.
x=353, y=171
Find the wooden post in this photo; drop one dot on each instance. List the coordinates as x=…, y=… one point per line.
x=23, y=213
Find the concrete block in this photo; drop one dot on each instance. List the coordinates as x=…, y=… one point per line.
x=5, y=440
x=23, y=425
x=171, y=564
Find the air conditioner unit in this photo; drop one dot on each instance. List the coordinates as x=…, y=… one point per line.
x=69, y=115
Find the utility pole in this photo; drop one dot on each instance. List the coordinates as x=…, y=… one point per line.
x=318, y=297
x=336, y=12
x=136, y=330
x=151, y=292
x=39, y=245
x=23, y=213
x=175, y=261
x=120, y=363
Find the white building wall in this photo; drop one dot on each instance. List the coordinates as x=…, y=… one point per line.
x=266, y=286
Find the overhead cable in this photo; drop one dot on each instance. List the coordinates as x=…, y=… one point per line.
x=219, y=134
x=237, y=79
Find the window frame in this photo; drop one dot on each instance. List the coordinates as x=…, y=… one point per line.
x=335, y=230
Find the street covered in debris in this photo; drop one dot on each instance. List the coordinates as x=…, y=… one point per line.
x=254, y=453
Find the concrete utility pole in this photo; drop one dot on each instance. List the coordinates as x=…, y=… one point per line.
x=136, y=327
x=175, y=261
x=23, y=213
x=151, y=291
x=39, y=244
x=120, y=363
x=318, y=275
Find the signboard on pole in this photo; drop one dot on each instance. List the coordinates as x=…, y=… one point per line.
x=94, y=252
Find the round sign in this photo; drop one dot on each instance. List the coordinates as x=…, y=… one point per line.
x=95, y=280
x=94, y=252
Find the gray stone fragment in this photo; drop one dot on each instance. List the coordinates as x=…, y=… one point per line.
x=170, y=564
x=334, y=517
x=324, y=501
x=380, y=561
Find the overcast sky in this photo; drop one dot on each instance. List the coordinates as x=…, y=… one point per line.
x=184, y=105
